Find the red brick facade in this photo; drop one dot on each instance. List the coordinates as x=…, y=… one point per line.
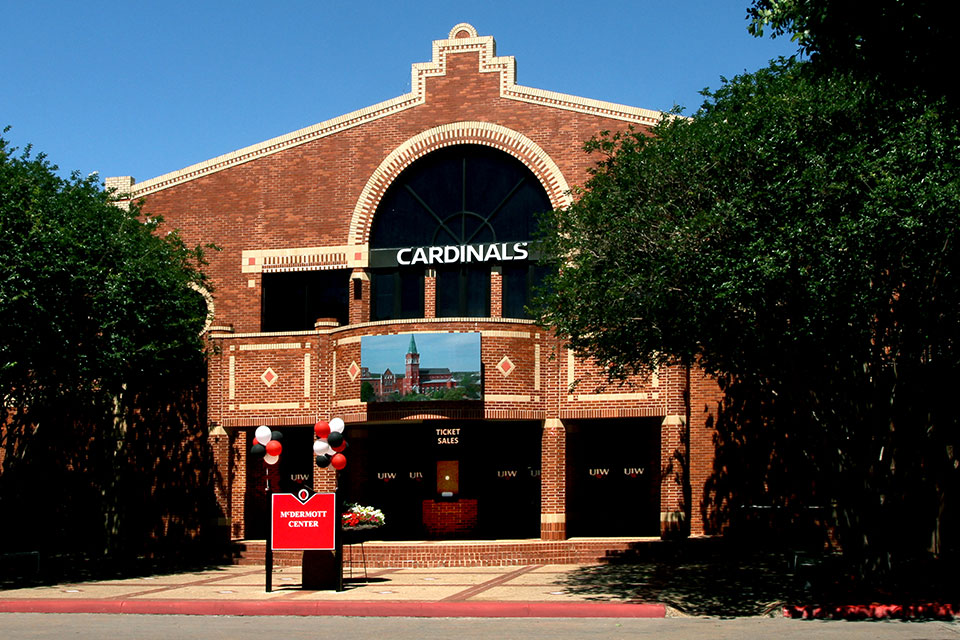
x=306, y=201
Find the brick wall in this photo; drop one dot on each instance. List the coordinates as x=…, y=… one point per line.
x=306, y=200
x=446, y=519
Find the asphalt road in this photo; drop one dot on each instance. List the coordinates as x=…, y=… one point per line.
x=47, y=626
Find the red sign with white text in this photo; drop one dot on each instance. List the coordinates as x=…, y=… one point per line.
x=303, y=521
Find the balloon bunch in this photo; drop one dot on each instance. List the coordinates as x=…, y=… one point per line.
x=330, y=445
x=268, y=444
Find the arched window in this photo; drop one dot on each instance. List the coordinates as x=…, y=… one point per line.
x=459, y=210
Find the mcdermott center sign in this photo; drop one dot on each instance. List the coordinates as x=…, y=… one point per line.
x=303, y=521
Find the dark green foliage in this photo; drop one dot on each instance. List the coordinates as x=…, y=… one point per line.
x=906, y=45
x=797, y=238
x=101, y=362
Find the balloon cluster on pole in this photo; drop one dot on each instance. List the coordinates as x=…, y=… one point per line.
x=330, y=445
x=267, y=444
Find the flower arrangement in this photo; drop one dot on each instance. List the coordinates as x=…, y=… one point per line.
x=357, y=518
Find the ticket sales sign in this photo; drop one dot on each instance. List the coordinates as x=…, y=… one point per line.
x=303, y=521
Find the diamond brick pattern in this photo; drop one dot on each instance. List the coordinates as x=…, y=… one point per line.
x=353, y=370
x=269, y=377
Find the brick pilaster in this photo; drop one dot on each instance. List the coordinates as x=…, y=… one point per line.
x=705, y=398
x=496, y=292
x=553, y=481
x=674, y=461
x=359, y=296
x=238, y=482
x=220, y=446
x=324, y=480
x=430, y=294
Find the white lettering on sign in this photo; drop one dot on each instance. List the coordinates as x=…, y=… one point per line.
x=416, y=475
x=453, y=254
x=633, y=471
x=303, y=514
x=510, y=473
x=599, y=473
x=386, y=476
x=448, y=435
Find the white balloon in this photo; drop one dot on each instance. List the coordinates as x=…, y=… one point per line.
x=321, y=447
x=263, y=434
x=336, y=424
x=269, y=459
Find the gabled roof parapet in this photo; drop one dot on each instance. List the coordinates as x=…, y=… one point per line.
x=463, y=38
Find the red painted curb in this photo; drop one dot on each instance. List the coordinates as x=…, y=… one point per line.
x=413, y=609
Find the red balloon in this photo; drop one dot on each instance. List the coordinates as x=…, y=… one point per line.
x=322, y=428
x=341, y=447
x=274, y=447
x=338, y=461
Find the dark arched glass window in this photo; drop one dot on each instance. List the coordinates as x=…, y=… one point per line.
x=476, y=202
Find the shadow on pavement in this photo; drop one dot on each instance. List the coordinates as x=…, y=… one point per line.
x=717, y=577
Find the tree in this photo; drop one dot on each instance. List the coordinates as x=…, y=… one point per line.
x=798, y=239
x=905, y=44
x=101, y=346
x=367, y=393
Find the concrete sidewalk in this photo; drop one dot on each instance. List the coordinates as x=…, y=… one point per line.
x=524, y=591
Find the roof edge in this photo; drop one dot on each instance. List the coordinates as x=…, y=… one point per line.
x=462, y=39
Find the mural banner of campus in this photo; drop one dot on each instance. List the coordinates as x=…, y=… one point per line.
x=420, y=366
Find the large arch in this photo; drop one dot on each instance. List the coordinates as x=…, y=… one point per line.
x=482, y=133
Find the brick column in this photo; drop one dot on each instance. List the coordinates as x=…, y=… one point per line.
x=238, y=482
x=220, y=446
x=705, y=399
x=674, y=459
x=496, y=292
x=359, y=296
x=430, y=293
x=324, y=480
x=553, y=481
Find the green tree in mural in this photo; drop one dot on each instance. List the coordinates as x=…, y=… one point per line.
x=367, y=394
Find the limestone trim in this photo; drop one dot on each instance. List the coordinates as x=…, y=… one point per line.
x=377, y=323
x=456, y=43
x=608, y=397
x=504, y=334
x=306, y=375
x=208, y=299
x=302, y=259
x=261, y=406
x=468, y=132
x=266, y=346
x=505, y=397
x=536, y=367
x=232, y=381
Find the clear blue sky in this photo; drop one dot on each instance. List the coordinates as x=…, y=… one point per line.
x=145, y=88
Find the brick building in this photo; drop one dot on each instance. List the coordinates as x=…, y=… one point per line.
x=414, y=217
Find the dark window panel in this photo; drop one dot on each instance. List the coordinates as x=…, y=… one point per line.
x=294, y=301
